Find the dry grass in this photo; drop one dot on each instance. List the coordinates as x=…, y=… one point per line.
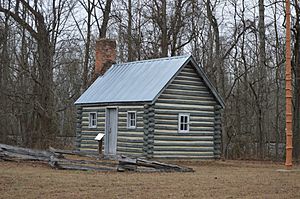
x=230, y=179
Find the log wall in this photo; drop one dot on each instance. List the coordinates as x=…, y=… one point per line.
x=186, y=94
x=129, y=141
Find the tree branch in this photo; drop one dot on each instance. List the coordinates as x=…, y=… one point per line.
x=20, y=21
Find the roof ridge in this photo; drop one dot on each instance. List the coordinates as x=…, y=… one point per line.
x=156, y=59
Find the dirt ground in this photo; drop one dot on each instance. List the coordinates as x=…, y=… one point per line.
x=216, y=179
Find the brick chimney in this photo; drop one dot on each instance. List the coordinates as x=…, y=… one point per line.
x=105, y=56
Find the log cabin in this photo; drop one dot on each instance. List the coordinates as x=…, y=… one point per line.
x=158, y=108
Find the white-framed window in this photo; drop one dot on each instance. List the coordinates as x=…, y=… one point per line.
x=183, y=122
x=92, y=120
x=131, y=119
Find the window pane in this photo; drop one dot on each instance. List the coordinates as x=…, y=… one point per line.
x=183, y=122
x=131, y=119
x=92, y=120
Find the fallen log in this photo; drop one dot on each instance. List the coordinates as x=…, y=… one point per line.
x=67, y=164
x=72, y=152
x=130, y=164
x=56, y=159
x=162, y=166
x=14, y=150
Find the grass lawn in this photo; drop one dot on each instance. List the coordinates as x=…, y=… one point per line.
x=216, y=179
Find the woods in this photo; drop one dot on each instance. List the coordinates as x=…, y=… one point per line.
x=47, y=60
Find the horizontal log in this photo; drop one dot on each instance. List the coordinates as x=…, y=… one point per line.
x=175, y=127
x=138, y=129
x=100, y=119
x=98, y=129
x=130, y=154
x=138, y=110
x=206, y=102
x=181, y=149
x=130, y=145
x=189, y=68
x=124, y=114
x=184, y=97
x=182, y=144
x=130, y=134
x=93, y=107
x=184, y=108
x=177, y=138
x=192, y=123
x=124, y=120
x=192, y=113
x=188, y=73
x=90, y=110
x=130, y=140
x=187, y=88
x=208, y=133
x=199, y=157
x=199, y=154
x=124, y=124
x=125, y=149
x=186, y=82
x=187, y=93
x=83, y=168
x=174, y=117
x=189, y=78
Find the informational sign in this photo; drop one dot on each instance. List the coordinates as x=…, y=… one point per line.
x=99, y=136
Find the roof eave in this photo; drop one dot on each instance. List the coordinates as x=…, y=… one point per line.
x=111, y=103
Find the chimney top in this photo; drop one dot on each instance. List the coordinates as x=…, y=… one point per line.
x=105, y=55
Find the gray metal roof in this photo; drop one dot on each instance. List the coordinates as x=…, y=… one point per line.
x=137, y=81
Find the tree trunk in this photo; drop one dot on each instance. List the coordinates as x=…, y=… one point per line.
x=262, y=72
x=164, y=30
x=106, y=13
x=85, y=84
x=129, y=32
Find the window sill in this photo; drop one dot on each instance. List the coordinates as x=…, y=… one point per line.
x=131, y=127
x=183, y=131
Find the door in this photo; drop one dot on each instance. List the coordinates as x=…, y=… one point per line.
x=111, y=128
